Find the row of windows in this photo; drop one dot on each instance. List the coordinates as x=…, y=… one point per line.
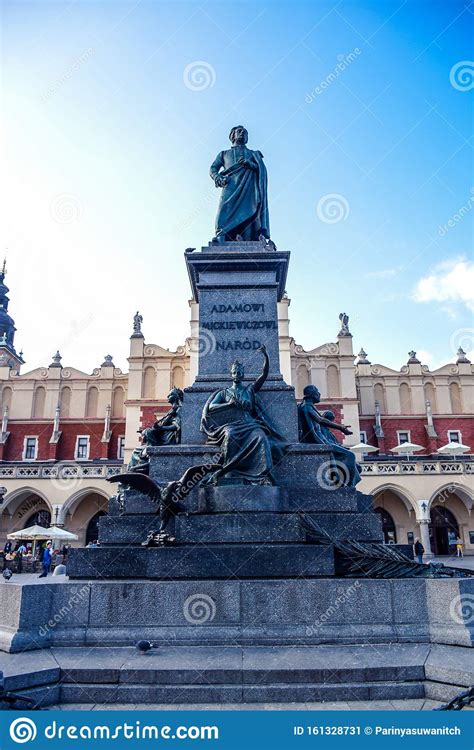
x=149, y=380
x=92, y=402
x=333, y=390
x=81, y=452
x=405, y=397
x=404, y=436
x=303, y=378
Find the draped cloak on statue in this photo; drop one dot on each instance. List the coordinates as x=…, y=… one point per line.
x=249, y=444
x=243, y=208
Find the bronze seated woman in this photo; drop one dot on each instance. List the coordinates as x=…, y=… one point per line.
x=233, y=418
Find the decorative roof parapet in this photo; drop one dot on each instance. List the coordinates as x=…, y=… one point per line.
x=137, y=325
x=56, y=361
x=362, y=358
x=344, y=318
x=462, y=359
x=413, y=359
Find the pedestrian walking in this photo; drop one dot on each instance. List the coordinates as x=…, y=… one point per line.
x=46, y=560
x=419, y=550
x=459, y=547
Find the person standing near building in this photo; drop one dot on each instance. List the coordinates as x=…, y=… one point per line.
x=459, y=547
x=46, y=560
x=419, y=550
x=20, y=551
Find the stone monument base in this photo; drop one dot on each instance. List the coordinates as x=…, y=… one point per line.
x=238, y=531
x=229, y=612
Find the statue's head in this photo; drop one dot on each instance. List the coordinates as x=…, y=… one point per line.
x=239, y=135
x=237, y=371
x=311, y=392
x=175, y=396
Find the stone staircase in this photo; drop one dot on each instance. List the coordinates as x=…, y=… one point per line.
x=239, y=675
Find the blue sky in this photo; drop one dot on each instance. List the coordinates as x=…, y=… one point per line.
x=115, y=110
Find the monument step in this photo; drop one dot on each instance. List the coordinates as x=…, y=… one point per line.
x=199, y=561
x=290, y=693
x=242, y=527
x=251, y=498
x=274, y=527
x=173, y=675
x=248, y=665
x=172, y=664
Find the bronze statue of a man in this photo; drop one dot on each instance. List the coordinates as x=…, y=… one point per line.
x=243, y=208
x=315, y=427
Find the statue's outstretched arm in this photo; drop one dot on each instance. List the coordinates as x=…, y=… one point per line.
x=317, y=417
x=266, y=367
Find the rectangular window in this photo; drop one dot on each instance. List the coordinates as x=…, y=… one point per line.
x=363, y=436
x=121, y=447
x=403, y=437
x=82, y=448
x=30, y=449
x=454, y=436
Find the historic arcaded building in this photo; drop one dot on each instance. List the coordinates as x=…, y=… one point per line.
x=64, y=431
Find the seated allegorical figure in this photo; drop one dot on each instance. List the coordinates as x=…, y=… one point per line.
x=315, y=427
x=165, y=431
x=234, y=419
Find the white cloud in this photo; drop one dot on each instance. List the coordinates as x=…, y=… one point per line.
x=451, y=281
